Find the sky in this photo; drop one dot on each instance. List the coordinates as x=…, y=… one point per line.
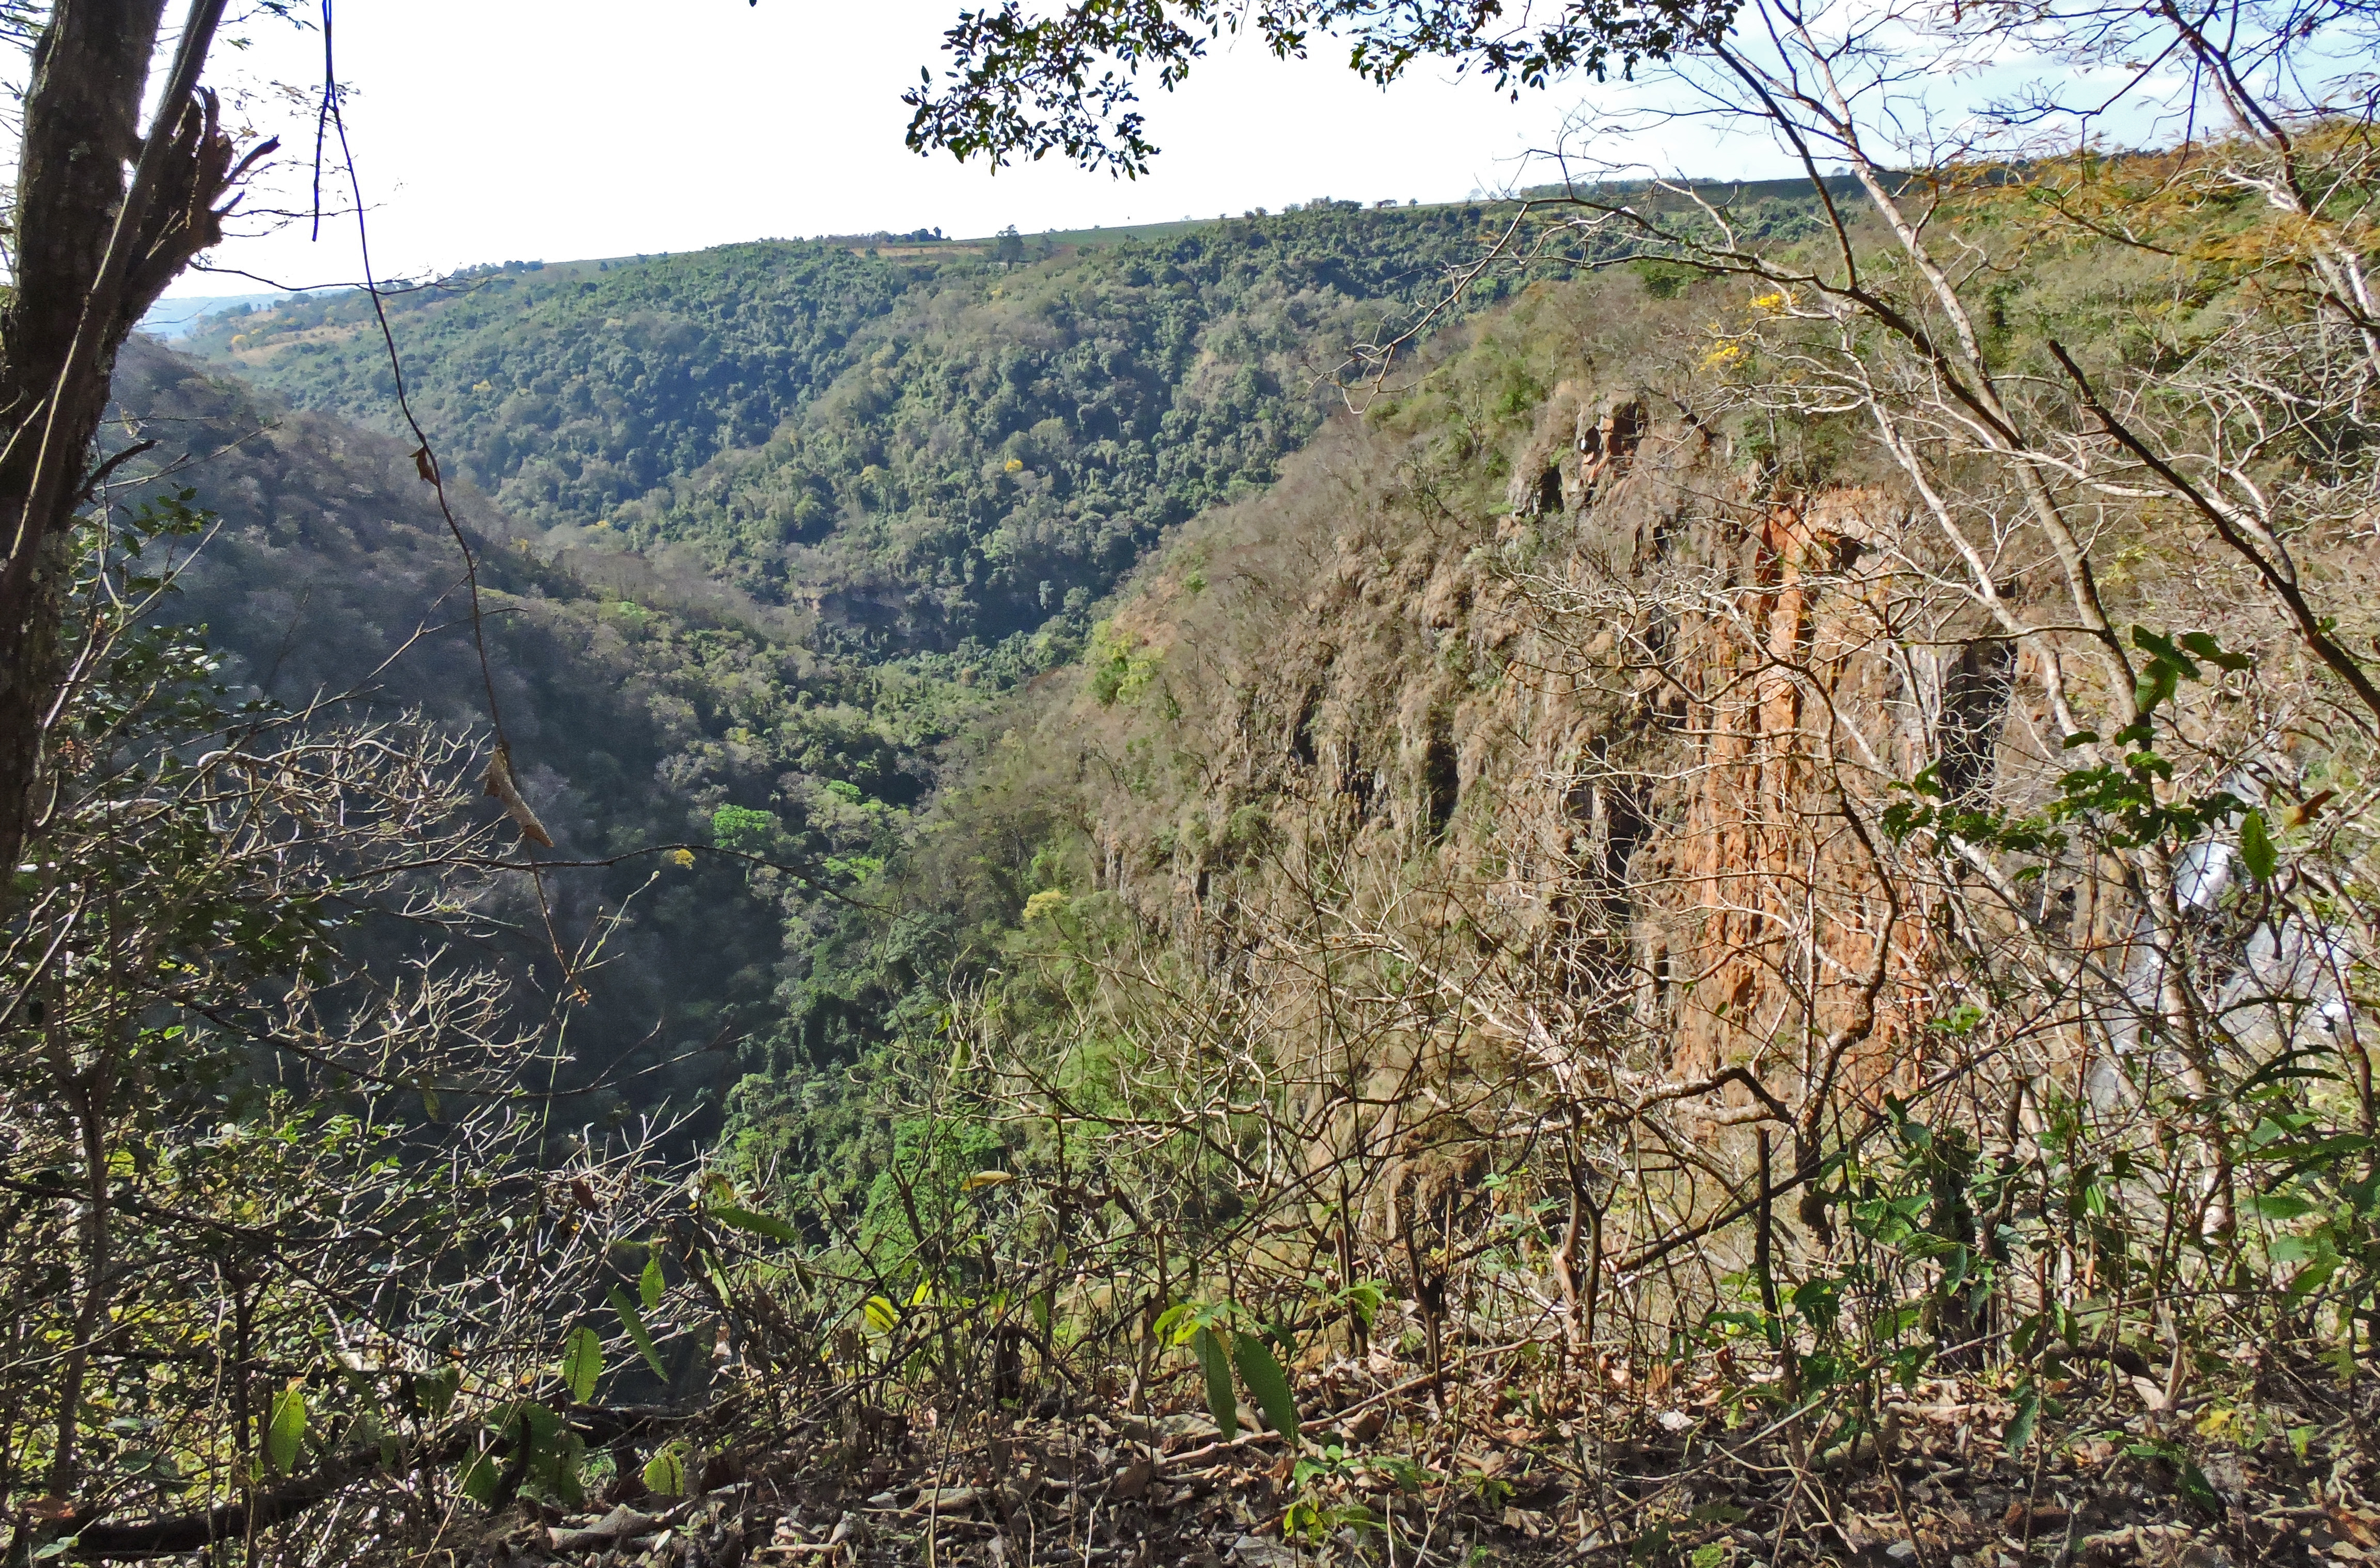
x=492, y=131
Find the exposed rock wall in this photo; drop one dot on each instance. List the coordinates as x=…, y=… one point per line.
x=1601, y=690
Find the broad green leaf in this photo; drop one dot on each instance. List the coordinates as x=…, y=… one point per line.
x=2157, y=684
x=582, y=1362
x=634, y=1321
x=562, y=1472
x=479, y=1477
x=2018, y=1434
x=2148, y=641
x=2207, y=648
x=650, y=1284
x=2195, y=1487
x=1268, y=1383
x=543, y=1427
x=666, y=1471
x=757, y=1224
x=286, y=1431
x=2256, y=846
x=1215, y=1361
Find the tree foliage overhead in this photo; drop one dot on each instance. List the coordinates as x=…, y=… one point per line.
x=1023, y=84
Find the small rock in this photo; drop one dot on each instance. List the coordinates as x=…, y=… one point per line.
x=1901, y=1552
x=2226, y=1474
x=1675, y=1421
x=1253, y=1551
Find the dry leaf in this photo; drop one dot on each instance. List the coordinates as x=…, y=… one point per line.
x=2354, y=1524
x=1133, y=1481
x=2298, y=816
x=501, y=786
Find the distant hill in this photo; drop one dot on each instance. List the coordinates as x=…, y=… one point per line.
x=178, y=318
x=927, y=451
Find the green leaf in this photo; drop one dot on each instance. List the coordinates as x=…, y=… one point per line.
x=2207, y=648
x=561, y=1472
x=650, y=1284
x=2256, y=846
x=1268, y=1383
x=479, y=1477
x=881, y=1315
x=2157, y=684
x=757, y=1224
x=2018, y=1435
x=634, y=1321
x=286, y=1431
x=1217, y=1364
x=2195, y=1487
x=666, y=1471
x=2148, y=641
x=582, y=1362
x=542, y=1428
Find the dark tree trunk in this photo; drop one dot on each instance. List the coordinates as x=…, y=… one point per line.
x=105, y=220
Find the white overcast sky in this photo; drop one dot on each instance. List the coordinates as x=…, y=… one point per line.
x=489, y=130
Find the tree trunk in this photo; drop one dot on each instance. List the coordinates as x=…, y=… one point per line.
x=105, y=220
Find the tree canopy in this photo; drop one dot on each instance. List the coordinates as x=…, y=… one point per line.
x=1024, y=85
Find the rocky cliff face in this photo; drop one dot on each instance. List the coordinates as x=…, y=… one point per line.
x=1572, y=690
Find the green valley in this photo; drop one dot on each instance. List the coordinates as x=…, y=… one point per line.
x=1650, y=875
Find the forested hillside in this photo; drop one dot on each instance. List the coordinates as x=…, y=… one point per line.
x=777, y=639
x=567, y=390
x=638, y=701
x=930, y=455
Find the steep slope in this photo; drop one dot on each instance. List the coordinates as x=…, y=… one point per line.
x=638, y=701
